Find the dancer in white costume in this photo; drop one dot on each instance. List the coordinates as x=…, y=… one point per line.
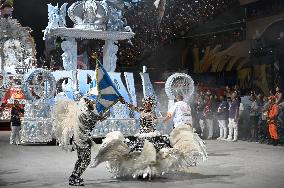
x=181, y=112
x=183, y=152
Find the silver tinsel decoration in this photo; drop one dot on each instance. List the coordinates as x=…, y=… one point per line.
x=36, y=130
x=37, y=123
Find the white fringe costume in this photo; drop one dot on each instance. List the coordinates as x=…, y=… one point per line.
x=187, y=147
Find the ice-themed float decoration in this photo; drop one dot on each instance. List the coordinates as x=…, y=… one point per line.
x=39, y=87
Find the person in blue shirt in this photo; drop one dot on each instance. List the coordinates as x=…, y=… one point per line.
x=233, y=118
x=222, y=115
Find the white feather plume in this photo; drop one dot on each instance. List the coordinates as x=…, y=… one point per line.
x=113, y=148
x=65, y=119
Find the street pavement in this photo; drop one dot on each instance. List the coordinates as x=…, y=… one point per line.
x=231, y=164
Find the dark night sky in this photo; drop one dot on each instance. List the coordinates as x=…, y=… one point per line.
x=34, y=14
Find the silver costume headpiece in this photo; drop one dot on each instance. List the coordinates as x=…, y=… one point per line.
x=150, y=99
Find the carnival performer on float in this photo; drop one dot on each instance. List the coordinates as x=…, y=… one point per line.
x=150, y=154
x=76, y=121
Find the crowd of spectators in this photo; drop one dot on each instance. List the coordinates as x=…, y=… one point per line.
x=266, y=112
x=253, y=117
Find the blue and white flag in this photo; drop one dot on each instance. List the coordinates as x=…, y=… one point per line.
x=102, y=90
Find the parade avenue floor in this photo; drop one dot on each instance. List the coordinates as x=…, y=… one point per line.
x=230, y=164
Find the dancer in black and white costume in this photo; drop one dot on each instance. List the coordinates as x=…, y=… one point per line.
x=76, y=121
x=148, y=121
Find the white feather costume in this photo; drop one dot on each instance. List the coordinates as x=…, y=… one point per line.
x=187, y=147
x=66, y=122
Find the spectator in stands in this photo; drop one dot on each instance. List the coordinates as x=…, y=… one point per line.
x=208, y=114
x=199, y=110
x=237, y=90
x=253, y=119
x=222, y=115
x=228, y=92
x=263, y=131
x=233, y=118
x=271, y=120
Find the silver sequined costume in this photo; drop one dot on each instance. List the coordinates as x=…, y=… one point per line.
x=148, y=121
x=83, y=142
x=76, y=120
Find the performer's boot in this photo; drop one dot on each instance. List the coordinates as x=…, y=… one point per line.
x=76, y=181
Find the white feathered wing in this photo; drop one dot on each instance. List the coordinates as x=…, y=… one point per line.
x=65, y=115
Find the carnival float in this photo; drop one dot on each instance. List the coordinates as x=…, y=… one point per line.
x=92, y=20
x=17, y=56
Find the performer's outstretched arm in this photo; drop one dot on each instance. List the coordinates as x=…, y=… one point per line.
x=130, y=106
x=169, y=116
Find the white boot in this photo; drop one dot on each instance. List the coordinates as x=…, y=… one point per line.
x=225, y=133
x=221, y=132
x=230, y=134
x=230, y=126
x=235, y=134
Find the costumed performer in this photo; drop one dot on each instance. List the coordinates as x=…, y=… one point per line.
x=75, y=122
x=181, y=113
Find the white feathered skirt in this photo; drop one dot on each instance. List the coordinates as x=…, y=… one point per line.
x=186, y=148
